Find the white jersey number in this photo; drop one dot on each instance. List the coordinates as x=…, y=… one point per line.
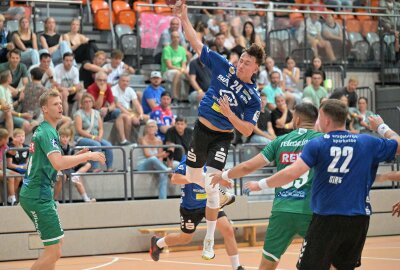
x=337, y=153
x=299, y=182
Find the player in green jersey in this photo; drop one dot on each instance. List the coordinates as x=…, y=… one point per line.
x=45, y=159
x=291, y=213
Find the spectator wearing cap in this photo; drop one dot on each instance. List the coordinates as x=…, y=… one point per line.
x=163, y=115
x=152, y=93
x=105, y=103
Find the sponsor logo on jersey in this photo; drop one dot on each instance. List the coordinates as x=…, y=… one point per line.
x=231, y=97
x=256, y=116
x=288, y=157
x=220, y=156
x=294, y=143
x=215, y=107
x=232, y=70
x=54, y=143
x=222, y=79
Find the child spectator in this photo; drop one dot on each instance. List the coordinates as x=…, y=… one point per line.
x=117, y=67
x=163, y=115
x=17, y=160
x=65, y=138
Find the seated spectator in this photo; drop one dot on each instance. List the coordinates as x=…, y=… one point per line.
x=20, y=120
x=272, y=89
x=25, y=40
x=281, y=117
x=316, y=65
x=81, y=46
x=66, y=76
x=333, y=32
x=390, y=24
x=127, y=101
x=350, y=91
x=53, y=42
x=313, y=34
x=89, y=130
x=6, y=118
x=178, y=134
x=173, y=65
x=250, y=35
x=163, y=115
x=229, y=41
x=264, y=76
x=12, y=182
x=220, y=47
x=153, y=157
x=291, y=77
x=5, y=40
x=47, y=70
x=17, y=160
x=18, y=70
x=152, y=93
x=89, y=69
x=315, y=92
x=65, y=142
x=105, y=103
x=199, y=78
x=361, y=114
x=117, y=67
x=264, y=132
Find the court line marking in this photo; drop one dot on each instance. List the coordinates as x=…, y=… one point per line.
x=363, y=257
x=116, y=259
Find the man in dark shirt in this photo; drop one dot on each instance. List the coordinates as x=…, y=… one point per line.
x=178, y=134
x=18, y=70
x=219, y=43
x=199, y=78
x=281, y=117
x=349, y=91
x=264, y=132
x=89, y=69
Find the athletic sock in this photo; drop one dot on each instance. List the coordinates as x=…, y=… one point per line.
x=211, y=224
x=85, y=197
x=11, y=199
x=235, y=261
x=161, y=242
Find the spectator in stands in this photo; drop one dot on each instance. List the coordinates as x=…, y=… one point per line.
x=333, y=32
x=219, y=44
x=18, y=70
x=53, y=42
x=291, y=77
x=240, y=45
x=202, y=32
x=25, y=40
x=127, y=101
x=12, y=184
x=315, y=66
x=361, y=114
x=117, y=67
x=48, y=71
x=250, y=35
x=66, y=76
x=350, y=115
x=9, y=12
x=153, y=157
x=17, y=160
x=166, y=38
x=178, y=134
x=81, y=46
x=264, y=132
x=314, y=39
x=314, y=92
x=350, y=91
x=5, y=40
x=65, y=142
x=390, y=24
x=173, y=65
x=281, y=117
x=163, y=115
x=6, y=118
x=89, y=130
x=89, y=69
x=264, y=76
x=199, y=78
x=152, y=93
x=105, y=103
x=272, y=89
x=20, y=120
x=229, y=41
x=234, y=59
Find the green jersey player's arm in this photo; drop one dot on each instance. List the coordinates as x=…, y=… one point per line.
x=60, y=162
x=288, y=174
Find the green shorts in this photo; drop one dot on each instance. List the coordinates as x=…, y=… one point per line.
x=44, y=216
x=282, y=228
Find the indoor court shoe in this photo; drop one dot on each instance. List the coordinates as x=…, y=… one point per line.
x=154, y=249
x=225, y=198
x=208, y=249
x=240, y=268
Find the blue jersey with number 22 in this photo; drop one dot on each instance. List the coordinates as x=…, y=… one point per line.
x=244, y=99
x=345, y=167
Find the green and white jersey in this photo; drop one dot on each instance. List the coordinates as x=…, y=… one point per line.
x=41, y=176
x=295, y=196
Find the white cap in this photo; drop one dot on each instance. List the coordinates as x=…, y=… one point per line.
x=155, y=74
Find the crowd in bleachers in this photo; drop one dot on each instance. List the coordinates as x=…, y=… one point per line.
x=96, y=89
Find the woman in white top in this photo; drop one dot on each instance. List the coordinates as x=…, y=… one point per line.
x=291, y=77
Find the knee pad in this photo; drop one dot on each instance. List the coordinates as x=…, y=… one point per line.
x=195, y=175
x=212, y=192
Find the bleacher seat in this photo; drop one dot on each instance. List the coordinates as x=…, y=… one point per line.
x=360, y=47
x=141, y=9
x=12, y=25
x=275, y=49
x=128, y=44
x=353, y=25
x=98, y=5
x=118, y=6
x=102, y=19
x=369, y=26
x=162, y=10
x=122, y=29
x=363, y=17
x=123, y=13
x=39, y=27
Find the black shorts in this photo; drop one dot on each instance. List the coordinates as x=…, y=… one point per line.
x=190, y=218
x=336, y=240
x=208, y=147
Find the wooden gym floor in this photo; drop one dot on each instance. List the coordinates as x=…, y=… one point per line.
x=381, y=253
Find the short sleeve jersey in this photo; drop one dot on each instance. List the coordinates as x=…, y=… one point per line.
x=193, y=196
x=66, y=78
x=94, y=90
x=124, y=97
x=295, y=196
x=345, y=167
x=244, y=99
x=40, y=177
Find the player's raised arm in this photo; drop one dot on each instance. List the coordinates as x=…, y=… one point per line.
x=384, y=130
x=180, y=10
